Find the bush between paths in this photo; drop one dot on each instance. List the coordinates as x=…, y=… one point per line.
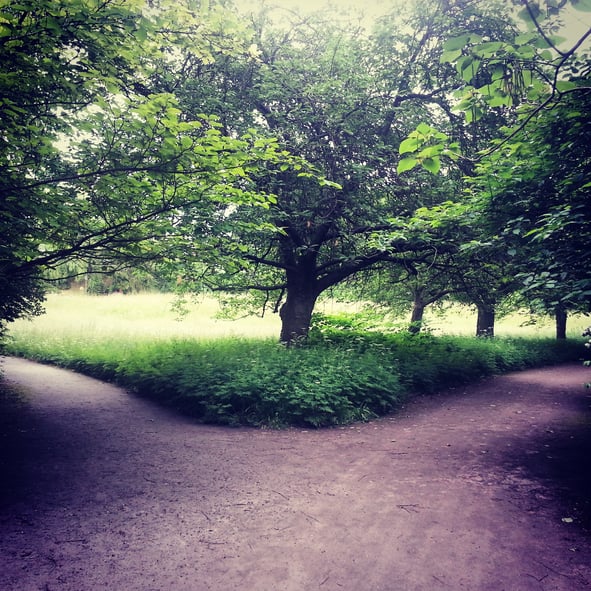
x=337, y=377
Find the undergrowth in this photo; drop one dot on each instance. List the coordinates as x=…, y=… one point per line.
x=340, y=375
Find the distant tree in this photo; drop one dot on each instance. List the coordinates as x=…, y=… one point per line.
x=425, y=286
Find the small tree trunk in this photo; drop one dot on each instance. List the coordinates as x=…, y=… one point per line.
x=296, y=315
x=561, y=317
x=416, y=317
x=485, y=322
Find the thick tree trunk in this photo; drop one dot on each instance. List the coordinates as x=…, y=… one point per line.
x=296, y=315
x=561, y=317
x=485, y=322
x=416, y=317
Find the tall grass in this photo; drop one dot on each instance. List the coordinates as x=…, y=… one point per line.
x=236, y=372
x=145, y=315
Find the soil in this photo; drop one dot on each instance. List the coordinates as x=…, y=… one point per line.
x=481, y=488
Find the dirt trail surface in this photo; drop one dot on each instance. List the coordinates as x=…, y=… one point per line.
x=484, y=488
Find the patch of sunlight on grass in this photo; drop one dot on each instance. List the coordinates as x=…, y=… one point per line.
x=460, y=320
x=143, y=315
x=152, y=315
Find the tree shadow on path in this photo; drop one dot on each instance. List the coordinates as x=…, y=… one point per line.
x=559, y=458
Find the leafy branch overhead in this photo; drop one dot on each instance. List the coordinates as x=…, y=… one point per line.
x=427, y=146
x=526, y=74
x=98, y=162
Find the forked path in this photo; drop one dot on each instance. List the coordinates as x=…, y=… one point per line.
x=485, y=488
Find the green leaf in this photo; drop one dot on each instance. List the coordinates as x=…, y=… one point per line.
x=463, y=63
x=410, y=144
x=527, y=17
x=526, y=51
x=558, y=40
x=470, y=69
x=456, y=43
x=473, y=114
x=406, y=164
x=525, y=38
x=433, y=165
x=498, y=72
x=424, y=129
x=489, y=48
x=565, y=85
x=450, y=56
x=431, y=151
x=141, y=32
x=500, y=101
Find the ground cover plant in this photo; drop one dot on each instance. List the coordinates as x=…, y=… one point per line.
x=342, y=374
x=427, y=363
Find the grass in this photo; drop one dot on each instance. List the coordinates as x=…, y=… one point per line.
x=146, y=315
x=152, y=315
x=235, y=372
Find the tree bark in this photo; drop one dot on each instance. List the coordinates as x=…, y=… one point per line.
x=416, y=317
x=485, y=322
x=561, y=317
x=296, y=315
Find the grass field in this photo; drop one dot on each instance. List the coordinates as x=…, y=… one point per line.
x=236, y=372
x=149, y=314
x=152, y=315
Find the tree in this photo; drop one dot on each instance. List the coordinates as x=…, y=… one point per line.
x=535, y=194
x=531, y=183
x=94, y=164
x=343, y=101
x=47, y=61
x=462, y=266
x=425, y=285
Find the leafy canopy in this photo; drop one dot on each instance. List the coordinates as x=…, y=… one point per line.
x=98, y=162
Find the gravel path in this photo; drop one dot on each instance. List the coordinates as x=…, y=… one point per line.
x=484, y=488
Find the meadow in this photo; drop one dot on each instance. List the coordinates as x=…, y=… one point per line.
x=235, y=372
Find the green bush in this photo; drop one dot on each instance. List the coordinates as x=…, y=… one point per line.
x=262, y=383
x=427, y=363
x=341, y=375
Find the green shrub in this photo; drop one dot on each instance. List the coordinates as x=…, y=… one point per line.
x=427, y=363
x=263, y=383
x=341, y=375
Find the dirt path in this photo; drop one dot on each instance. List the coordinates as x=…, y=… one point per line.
x=482, y=489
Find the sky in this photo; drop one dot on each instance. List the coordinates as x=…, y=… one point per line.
x=577, y=22
x=371, y=8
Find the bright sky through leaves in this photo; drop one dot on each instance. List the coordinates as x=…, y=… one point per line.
x=576, y=22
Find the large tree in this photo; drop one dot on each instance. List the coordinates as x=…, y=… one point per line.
x=535, y=196
x=530, y=184
x=344, y=101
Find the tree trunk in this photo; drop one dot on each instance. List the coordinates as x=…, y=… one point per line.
x=561, y=316
x=296, y=315
x=416, y=317
x=485, y=322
